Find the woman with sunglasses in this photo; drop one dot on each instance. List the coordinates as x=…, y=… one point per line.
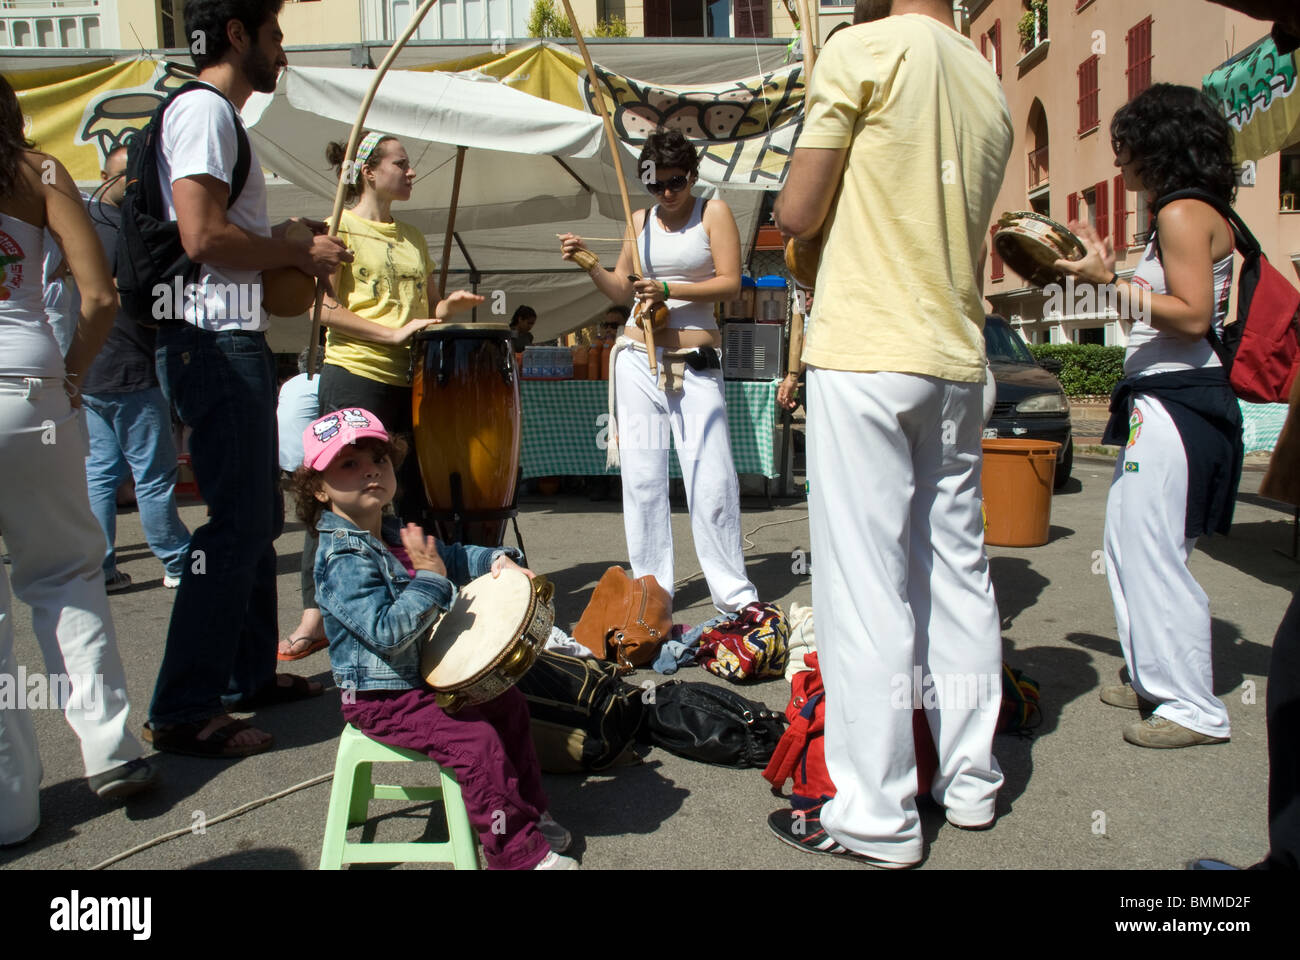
x=690, y=249
x=386, y=295
x=1174, y=415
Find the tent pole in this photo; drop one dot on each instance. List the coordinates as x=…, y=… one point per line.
x=451, y=222
x=349, y=158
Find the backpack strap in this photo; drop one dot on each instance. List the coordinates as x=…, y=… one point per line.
x=244, y=153
x=1243, y=239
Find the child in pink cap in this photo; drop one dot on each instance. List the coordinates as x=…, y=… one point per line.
x=381, y=587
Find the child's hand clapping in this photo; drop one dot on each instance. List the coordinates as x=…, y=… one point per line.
x=504, y=563
x=422, y=549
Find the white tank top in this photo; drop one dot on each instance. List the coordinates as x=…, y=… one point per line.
x=27, y=344
x=1157, y=351
x=684, y=256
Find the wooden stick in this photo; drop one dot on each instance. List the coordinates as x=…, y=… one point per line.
x=348, y=158
x=647, y=323
x=451, y=222
x=794, y=363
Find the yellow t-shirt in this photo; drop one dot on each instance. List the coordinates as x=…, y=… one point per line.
x=928, y=136
x=386, y=283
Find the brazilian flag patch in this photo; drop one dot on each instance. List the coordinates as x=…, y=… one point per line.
x=1130, y=466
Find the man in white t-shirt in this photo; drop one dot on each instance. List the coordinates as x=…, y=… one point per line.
x=218, y=373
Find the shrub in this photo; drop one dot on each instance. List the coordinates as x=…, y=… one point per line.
x=545, y=21
x=613, y=27
x=1087, y=369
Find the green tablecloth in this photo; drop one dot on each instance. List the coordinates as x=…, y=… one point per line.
x=565, y=428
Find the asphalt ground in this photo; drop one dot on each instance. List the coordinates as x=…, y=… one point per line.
x=1076, y=796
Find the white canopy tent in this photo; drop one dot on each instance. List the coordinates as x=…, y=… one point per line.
x=533, y=169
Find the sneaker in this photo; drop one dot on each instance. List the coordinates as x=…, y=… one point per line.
x=557, y=838
x=124, y=780
x=118, y=581
x=1123, y=695
x=170, y=582
x=802, y=829
x=1205, y=864
x=553, y=861
x=1161, y=733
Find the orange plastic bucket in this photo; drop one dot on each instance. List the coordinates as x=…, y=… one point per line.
x=1017, y=479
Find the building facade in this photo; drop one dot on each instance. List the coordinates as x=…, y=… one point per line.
x=1066, y=67
x=159, y=24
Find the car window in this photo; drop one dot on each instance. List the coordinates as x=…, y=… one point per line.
x=1004, y=345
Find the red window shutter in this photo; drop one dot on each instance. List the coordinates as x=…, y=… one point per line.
x=1102, y=213
x=1088, y=94
x=1139, y=58
x=751, y=18
x=997, y=46
x=995, y=262
x=658, y=18
x=1120, y=226
x=1072, y=207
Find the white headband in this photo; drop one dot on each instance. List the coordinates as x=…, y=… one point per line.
x=363, y=154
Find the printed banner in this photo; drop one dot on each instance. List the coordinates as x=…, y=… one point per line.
x=1256, y=91
x=81, y=114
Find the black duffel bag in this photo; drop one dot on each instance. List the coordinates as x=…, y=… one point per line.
x=711, y=724
x=584, y=718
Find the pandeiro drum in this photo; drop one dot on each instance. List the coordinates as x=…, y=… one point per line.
x=1030, y=244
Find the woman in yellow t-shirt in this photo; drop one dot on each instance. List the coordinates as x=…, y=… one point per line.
x=383, y=297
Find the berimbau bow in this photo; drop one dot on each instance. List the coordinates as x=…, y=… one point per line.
x=349, y=157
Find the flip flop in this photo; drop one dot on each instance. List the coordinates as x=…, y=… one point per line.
x=183, y=738
x=312, y=646
x=273, y=694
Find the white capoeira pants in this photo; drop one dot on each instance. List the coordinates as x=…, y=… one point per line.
x=57, y=550
x=1161, y=613
x=901, y=580
x=696, y=420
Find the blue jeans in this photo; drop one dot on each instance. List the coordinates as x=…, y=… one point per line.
x=224, y=631
x=133, y=432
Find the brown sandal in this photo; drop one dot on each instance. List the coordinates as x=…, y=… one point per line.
x=183, y=738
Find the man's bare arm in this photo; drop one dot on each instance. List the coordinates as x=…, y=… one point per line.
x=810, y=188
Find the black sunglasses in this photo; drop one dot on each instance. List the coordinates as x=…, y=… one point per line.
x=675, y=184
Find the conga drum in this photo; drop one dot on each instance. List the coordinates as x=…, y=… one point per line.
x=466, y=420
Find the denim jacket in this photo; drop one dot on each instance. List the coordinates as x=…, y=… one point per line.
x=375, y=613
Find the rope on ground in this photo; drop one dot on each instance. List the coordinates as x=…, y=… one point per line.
x=747, y=545
x=229, y=814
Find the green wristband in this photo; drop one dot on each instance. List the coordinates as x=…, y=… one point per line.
x=665, y=283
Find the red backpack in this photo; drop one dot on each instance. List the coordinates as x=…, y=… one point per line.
x=800, y=755
x=1260, y=352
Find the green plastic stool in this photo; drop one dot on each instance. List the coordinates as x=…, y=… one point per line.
x=350, y=802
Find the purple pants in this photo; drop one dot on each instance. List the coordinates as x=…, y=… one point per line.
x=490, y=749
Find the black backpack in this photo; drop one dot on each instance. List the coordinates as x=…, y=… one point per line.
x=700, y=721
x=584, y=717
x=149, y=248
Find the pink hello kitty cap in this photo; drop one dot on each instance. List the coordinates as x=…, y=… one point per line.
x=328, y=435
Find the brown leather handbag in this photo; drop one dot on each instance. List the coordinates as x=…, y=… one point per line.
x=626, y=620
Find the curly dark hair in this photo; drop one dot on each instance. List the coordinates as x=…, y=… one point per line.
x=669, y=148
x=522, y=312
x=337, y=150
x=209, y=17
x=12, y=141
x=1178, y=139
x=305, y=481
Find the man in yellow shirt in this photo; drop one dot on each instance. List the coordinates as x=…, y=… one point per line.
x=898, y=167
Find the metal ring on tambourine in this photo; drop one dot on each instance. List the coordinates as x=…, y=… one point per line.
x=1030, y=244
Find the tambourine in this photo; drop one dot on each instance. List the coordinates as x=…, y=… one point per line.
x=1030, y=244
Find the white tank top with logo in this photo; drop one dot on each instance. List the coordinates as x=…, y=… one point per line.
x=27, y=344
x=682, y=256
x=1158, y=351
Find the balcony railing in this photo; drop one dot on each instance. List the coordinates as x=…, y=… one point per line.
x=1037, y=168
